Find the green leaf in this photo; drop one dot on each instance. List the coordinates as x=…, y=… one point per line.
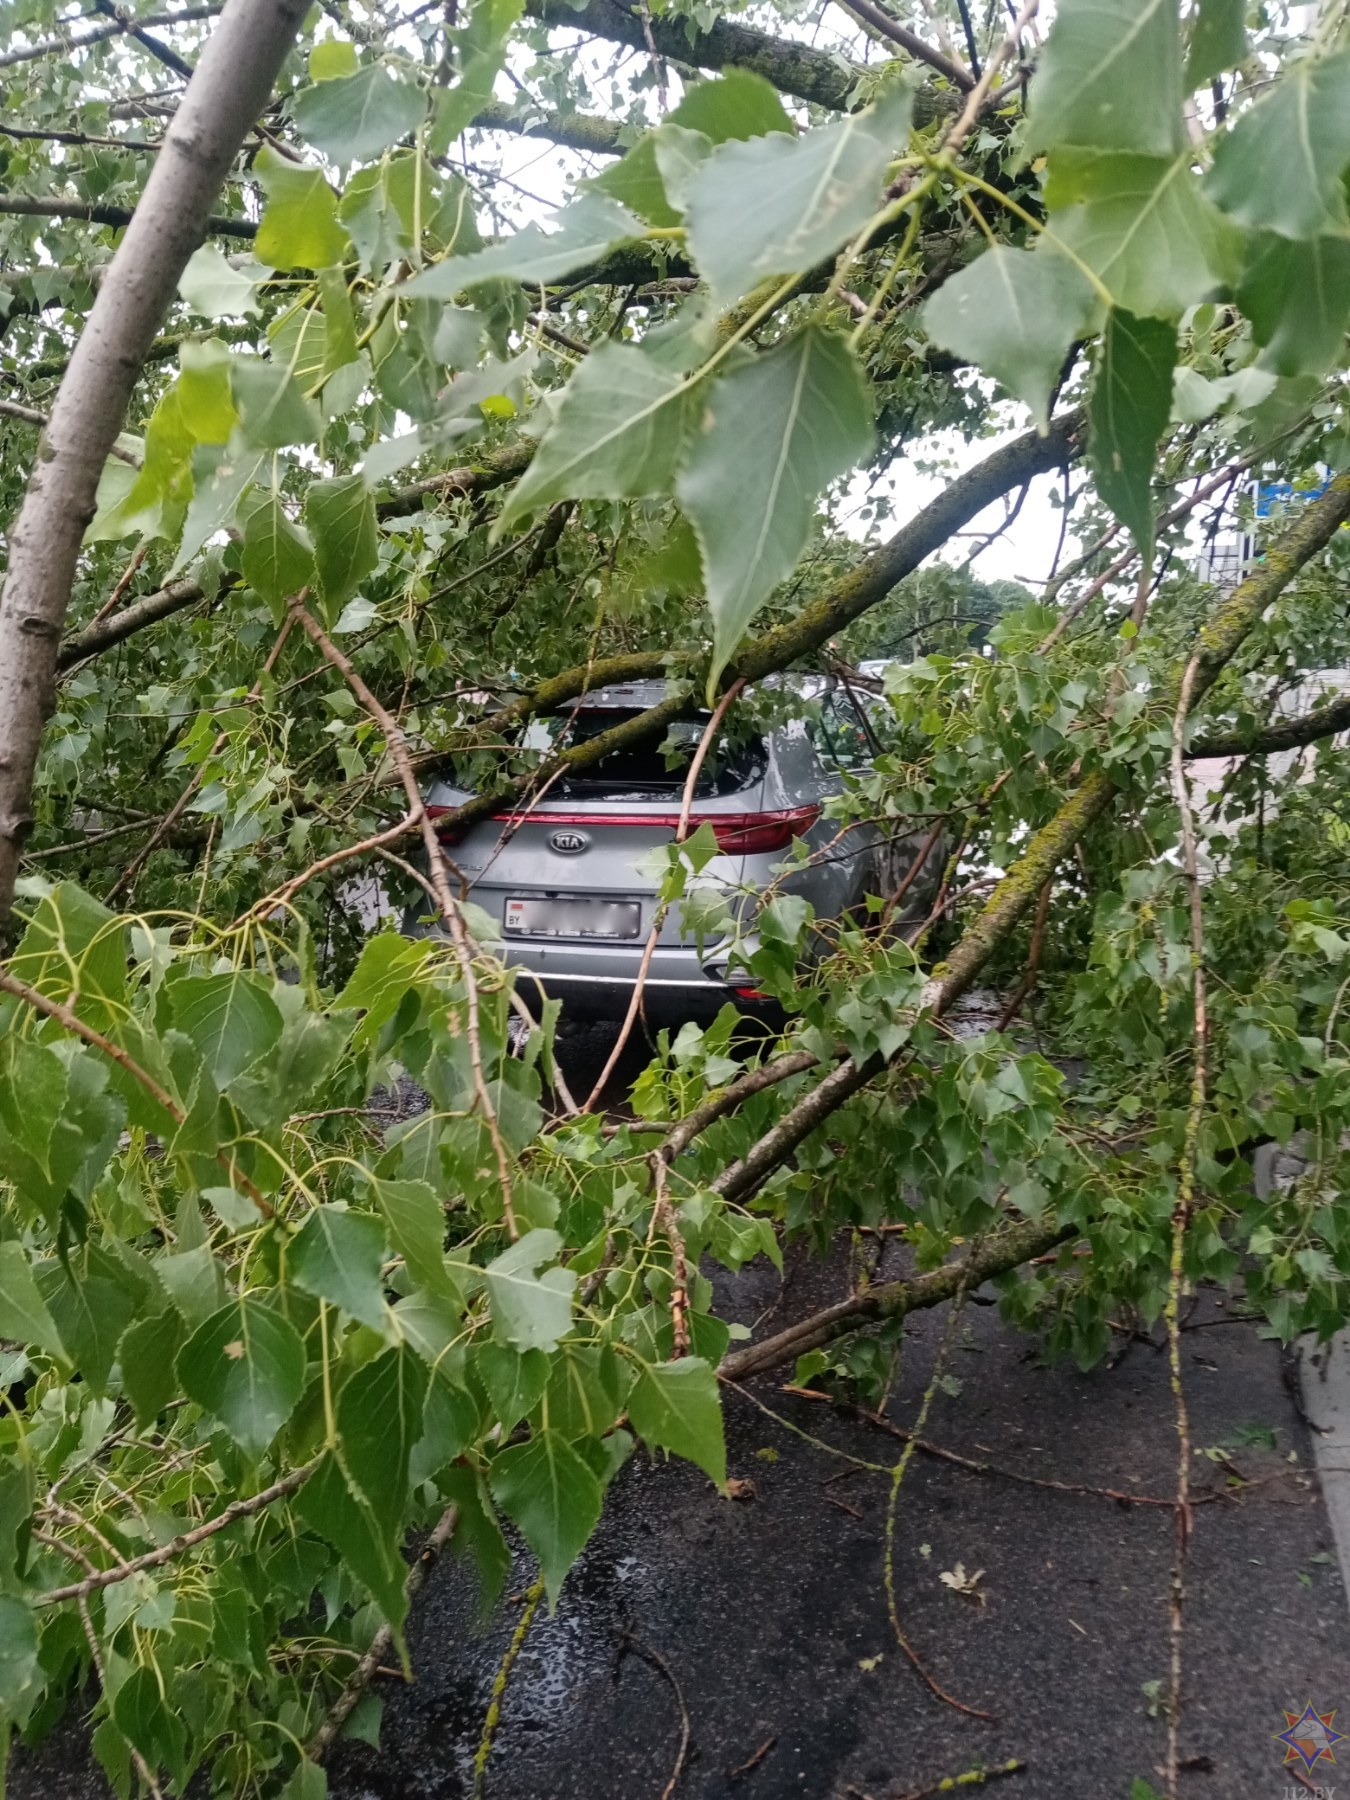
x=529, y=1310
x=1297, y=296
x=246, y=1365
x=19, y=1667
x=299, y=228
x=92, y=1308
x=213, y=289
x=514, y=1380
x=205, y=403
x=1109, y=78
x=553, y=1496
x=618, y=434
x=339, y=321
x=24, y=1316
x=450, y=1424
x=1015, y=313
x=75, y=950
x=584, y=1392
x=675, y=1405
x=416, y=1222
x=772, y=434
x=351, y=120
x=480, y=48
x=779, y=205
x=367, y=1545
x=340, y=514
x=635, y=182
x=333, y=59
x=1218, y=40
x=737, y=104
x=385, y=970
x=272, y=410
x=232, y=1019
x=379, y=1419
x=1142, y=226
x=1128, y=410
x=220, y=479
x=336, y=1255
x=146, y=1356
x=278, y=559
x=1280, y=166
x=583, y=232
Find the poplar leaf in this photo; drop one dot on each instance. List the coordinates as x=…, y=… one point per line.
x=582, y=233
x=1218, y=40
x=553, y=1496
x=1280, y=166
x=299, y=228
x=1015, y=313
x=1128, y=410
x=246, y=1365
x=618, y=434
x=774, y=433
x=272, y=410
x=353, y=119
x=278, y=559
x=379, y=1419
x=1142, y=226
x=1297, y=296
x=480, y=47
x=530, y=1310
x=736, y=104
x=336, y=1255
x=778, y=205
x=675, y=1406
x=24, y=1315
x=1109, y=78
x=232, y=1019
x=340, y=514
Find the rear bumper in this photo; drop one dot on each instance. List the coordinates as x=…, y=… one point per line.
x=596, y=980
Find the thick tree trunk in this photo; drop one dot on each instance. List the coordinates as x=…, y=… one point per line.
x=223, y=99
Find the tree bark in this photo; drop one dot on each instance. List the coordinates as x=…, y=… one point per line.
x=230, y=88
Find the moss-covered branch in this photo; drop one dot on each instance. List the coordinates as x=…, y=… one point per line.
x=999, y=1255
x=1288, y=734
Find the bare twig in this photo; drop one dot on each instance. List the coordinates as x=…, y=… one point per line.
x=710, y=731
x=655, y=1660
x=187, y=1540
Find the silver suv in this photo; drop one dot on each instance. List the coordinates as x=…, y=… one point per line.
x=573, y=892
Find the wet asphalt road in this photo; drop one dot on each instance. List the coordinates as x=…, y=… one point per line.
x=768, y=1614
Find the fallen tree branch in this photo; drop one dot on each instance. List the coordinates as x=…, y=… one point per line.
x=894, y=1299
x=1288, y=734
x=186, y=1540
x=574, y=131
x=162, y=604
x=1219, y=639
x=67, y=43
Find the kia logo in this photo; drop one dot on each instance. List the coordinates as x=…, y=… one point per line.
x=569, y=843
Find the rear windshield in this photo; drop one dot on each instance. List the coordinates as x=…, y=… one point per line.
x=656, y=771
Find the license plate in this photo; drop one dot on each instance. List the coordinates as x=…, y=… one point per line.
x=573, y=918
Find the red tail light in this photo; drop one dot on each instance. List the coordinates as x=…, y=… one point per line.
x=756, y=834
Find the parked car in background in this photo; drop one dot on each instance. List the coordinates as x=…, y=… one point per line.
x=566, y=884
